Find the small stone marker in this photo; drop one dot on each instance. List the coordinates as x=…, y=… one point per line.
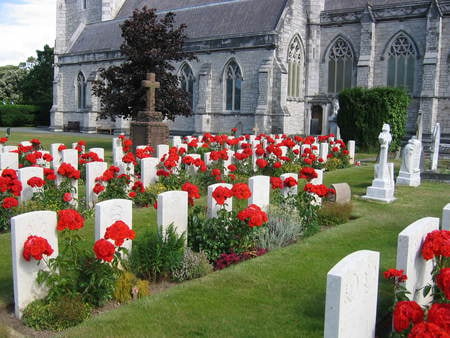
x=286, y=191
x=24, y=174
x=343, y=193
x=410, y=260
x=213, y=207
x=445, y=225
x=70, y=156
x=351, y=298
x=148, y=171
x=36, y=223
x=93, y=170
x=260, y=188
x=323, y=150
x=56, y=162
x=99, y=151
x=111, y=211
x=192, y=169
x=161, y=150
x=351, y=146
x=176, y=141
x=9, y=161
x=173, y=209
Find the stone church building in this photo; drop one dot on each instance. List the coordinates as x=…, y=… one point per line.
x=265, y=65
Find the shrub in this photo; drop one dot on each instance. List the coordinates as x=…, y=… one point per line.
x=129, y=286
x=335, y=213
x=14, y=115
x=283, y=228
x=363, y=111
x=194, y=265
x=37, y=315
x=155, y=254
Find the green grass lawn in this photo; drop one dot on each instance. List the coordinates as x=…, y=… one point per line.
x=280, y=294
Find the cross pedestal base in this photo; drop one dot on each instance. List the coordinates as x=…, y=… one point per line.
x=149, y=133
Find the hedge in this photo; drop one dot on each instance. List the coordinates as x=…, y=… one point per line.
x=15, y=115
x=363, y=111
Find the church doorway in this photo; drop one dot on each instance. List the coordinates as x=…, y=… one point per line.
x=316, y=120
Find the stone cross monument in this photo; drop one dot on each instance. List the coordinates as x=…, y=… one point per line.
x=435, y=143
x=382, y=188
x=149, y=129
x=410, y=170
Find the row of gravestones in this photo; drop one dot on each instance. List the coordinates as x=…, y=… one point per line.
x=352, y=284
x=172, y=209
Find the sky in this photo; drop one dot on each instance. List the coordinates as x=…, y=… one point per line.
x=25, y=26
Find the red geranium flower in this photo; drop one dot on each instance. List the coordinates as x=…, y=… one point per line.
x=104, y=250
x=241, y=191
x=253, y=215
x=437, y=243
x=98, y=188
x=232, y=168
x=36, y=247
x=427, y=330
x=220, y=194
x=62, y=147
x=290, y=182
x=119, y=231
x=443, y=281
x=261, y=163
x=215, y=172
x=67, y=197
x=192, y=190
x=69, y=219
x=132, y=194
x=36, y=182
x=395, y=274
x=276, y=183
x=405, y=314
x=439, y=314
x=9, y=202
x=308, y=173
x=320, y=190
x=67, y=170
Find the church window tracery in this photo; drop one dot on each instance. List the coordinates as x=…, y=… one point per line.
x=295, y=68
x=340, y=66
x=233, y=81
x=401, y=63
x=81, y=91
x=187, y=82
x=83, y=4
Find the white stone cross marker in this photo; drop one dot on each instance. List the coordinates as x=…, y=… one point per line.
x=410, y=260
x=36, y=223
x=173, y=209
x=351, y=298
x=111, y=211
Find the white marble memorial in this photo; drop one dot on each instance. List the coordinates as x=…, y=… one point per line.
x=410, y=169
x=213, y=207
x=173, y=209
x=351, y=296
x=435, y=143
x=286, y=191
x=56, y=154
x=323, y=151
x=351, y=146
x=148, y=171
x=93, y=170
x=260, y=188
x=24, y=174
x=161, y=150
x=445, y=223
x=99, y=151
x=9, y=161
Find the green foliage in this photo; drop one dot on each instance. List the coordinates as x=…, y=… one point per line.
x=14, y=115
x=194, y=265
x=57, y=315
x=128, y=285
x=10, y=78
x=222, y=234
x=363, y=111
x=283, y=228
x=155, y=254
x=335, y=213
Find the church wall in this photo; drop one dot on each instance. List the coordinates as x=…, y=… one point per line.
x=443, y=115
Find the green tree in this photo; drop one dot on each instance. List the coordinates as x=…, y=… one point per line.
x=10, y=79
x=150, y=44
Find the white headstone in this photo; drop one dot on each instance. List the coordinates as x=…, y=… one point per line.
x=110, y=211
x=41, y=162
x=99, y=151
x=383, y=187
x=286, y=191
x=24, y=174
x=56, y=155
x=351, y=146
x=26, y=143
x=93, y=170
x=176, y=141
x=445, y=225
x=173, y=209
x=436, y=142
x=410, y=260
x=351, y=298
x=7, y=149
x=9, y=161
x=207, y=159
x=36, y=223
x=148, y=170
x=118, y=154
x=161, y=150
x=213, y=207
x=410, y=169
x=324, y=147
x=319, y=178
x=70, y=156
x=260, y=188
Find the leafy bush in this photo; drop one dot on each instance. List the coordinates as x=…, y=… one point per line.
x=58, y=314
x=194, y=265
x=14, y=115
x=335, y=213
x=283, y=228
x=129, y=286
x=155, y=255
x=363, y=111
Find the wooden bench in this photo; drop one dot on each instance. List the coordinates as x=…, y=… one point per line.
x=72, y=126
x=104, y=130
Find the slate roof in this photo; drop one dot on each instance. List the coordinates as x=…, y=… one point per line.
x=204, y=18
x=348, y=4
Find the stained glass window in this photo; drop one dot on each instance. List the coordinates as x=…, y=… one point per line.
x=295, y=68
x=401, y=63
x=233, y=87
x=187, y=82
x=340, y=66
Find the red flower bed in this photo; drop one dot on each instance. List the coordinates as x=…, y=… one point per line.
x=36, y=247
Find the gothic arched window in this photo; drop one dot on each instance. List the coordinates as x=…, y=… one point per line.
x=401, y=63
x=295, y=68
x=233, y=80
x=83, y=4
x=81, y=91
x=187, y=82
x=340, y=66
